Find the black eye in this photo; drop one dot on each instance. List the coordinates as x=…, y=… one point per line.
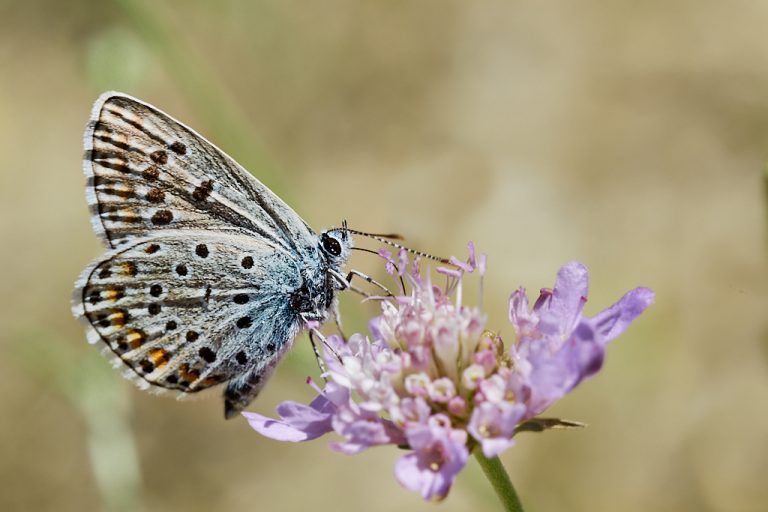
x=331, y=245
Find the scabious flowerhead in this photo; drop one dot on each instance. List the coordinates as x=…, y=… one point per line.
x=432, y=379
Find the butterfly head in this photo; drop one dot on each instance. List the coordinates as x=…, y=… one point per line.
x=335, y=244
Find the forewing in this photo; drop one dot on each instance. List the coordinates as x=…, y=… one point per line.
x=147, y=172
x=188, y=311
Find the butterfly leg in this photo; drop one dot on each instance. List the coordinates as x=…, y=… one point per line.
x=344, y=284
x=337, y=319
x=358, y=291
x=353, y=273
x=320, y=363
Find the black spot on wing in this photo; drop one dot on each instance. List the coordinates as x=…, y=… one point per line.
x=162, y=217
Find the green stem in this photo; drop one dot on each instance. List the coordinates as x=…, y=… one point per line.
x=497, y=475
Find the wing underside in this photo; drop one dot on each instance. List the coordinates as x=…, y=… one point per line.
x=147, y=172
x=188, y=311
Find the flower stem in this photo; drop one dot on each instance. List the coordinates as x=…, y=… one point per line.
x=497, y=475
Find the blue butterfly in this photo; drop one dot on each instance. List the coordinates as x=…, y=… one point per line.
x=209, y=276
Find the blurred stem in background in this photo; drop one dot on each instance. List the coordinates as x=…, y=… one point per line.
x=95, y=391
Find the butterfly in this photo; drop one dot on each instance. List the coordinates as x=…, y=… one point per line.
x=209, y=276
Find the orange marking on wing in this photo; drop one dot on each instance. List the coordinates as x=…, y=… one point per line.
x=210, y=381
x=135, y=338
x=114, y=293
x=129, y=268
x=118, y=318
x=187, y=374
x=159, y=357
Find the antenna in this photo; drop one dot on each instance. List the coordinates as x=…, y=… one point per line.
x=387, y=239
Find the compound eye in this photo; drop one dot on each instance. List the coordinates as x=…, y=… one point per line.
x=331, y=245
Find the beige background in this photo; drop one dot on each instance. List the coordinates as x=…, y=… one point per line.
x=628, y=135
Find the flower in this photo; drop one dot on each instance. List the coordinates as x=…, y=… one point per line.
x=298, y=422
x=439, y=453
x=433, y=380
x=557, y=347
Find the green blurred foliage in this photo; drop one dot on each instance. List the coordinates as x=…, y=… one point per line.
x=116, y=56
x=630, y=136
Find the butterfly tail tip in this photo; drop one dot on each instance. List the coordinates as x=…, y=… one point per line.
x=231, y=410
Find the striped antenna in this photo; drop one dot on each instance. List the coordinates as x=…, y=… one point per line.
x=388, y=240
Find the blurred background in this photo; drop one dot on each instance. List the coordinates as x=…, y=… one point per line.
x=631, y=136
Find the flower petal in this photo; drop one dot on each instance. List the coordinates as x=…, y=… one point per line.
x=298, y=422
x=560, y=309
x=614, y=320
x=449, y=272
x=553, y=373
x=493, y=425
x=522, y=319
x=494, y=446
x=408, y=472
x=434, y=464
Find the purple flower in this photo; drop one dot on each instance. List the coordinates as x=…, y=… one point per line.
x=439, y=453
x=493, y=424
x=298, y=422
x=557, y=347
x=431, y=378
x=360, y=428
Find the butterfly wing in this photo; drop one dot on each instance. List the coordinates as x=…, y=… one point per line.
x=188, y=310
x=147, y=172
